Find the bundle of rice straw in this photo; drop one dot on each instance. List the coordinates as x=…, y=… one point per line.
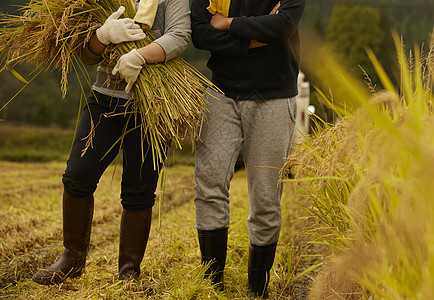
x=50, y=33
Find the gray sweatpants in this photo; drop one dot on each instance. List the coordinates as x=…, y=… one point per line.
x=263, y=129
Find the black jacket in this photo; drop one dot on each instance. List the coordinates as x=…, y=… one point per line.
x=262, y=73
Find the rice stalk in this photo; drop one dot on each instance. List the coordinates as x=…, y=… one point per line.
x=168, y=96
x=368, y=179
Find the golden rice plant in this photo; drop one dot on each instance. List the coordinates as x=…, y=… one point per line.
x=369, y=184
x=50, y=33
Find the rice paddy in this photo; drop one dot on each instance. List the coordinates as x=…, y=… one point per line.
x=358, y=220
x=368, y=181
x=31, y=237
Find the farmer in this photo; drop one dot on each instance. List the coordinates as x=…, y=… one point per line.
x=106, y=116
x=254, y=60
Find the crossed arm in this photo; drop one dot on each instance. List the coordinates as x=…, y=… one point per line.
x=223, y=23
x=234, y=36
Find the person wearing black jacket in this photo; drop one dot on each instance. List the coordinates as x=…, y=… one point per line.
x=255, y=62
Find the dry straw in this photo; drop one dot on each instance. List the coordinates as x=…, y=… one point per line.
x=50, y=33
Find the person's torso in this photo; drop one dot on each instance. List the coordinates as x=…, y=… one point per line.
x=266, y=72
x=249, y=8
x=107, y=83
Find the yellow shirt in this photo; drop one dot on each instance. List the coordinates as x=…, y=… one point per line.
x=219, y=6
x=146, y=13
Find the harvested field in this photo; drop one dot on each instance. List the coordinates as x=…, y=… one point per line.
x=31, y=237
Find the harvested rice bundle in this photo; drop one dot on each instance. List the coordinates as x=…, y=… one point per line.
x=50, y=33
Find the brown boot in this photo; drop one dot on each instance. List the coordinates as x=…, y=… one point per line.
x=134, y=234
x=77, y=223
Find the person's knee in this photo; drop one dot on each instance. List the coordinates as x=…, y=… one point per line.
x=136, y=202
x=78, y=186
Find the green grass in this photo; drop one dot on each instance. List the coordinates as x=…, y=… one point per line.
x=43, y=144
x=24, y=143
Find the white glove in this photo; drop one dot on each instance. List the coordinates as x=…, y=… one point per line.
x=129, y=66
x=115, y=30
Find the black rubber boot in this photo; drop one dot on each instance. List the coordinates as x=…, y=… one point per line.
x=261, y=260
x=213, y=247
x=134, y=234
x=77, y=224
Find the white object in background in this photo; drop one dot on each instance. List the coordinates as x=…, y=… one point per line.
x=304, y=110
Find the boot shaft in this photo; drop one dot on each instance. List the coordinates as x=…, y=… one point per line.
x=134, y=235
x=77, y=223
x=261, y=259
x=213, y=248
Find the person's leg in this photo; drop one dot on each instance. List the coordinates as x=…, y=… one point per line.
x=80, y=180
x=261, y=259
x=139, y=182
x=213, y=248
x=268, y=127
x=77, y=220
x=216, y=152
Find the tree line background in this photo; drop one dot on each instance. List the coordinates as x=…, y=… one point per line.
x=348, y=26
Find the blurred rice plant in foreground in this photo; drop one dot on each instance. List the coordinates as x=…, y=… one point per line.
x=368, y=181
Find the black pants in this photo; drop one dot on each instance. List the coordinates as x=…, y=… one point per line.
x=139, y=178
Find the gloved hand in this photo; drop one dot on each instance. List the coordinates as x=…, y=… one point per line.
x=115, y=30
x=129, y=66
